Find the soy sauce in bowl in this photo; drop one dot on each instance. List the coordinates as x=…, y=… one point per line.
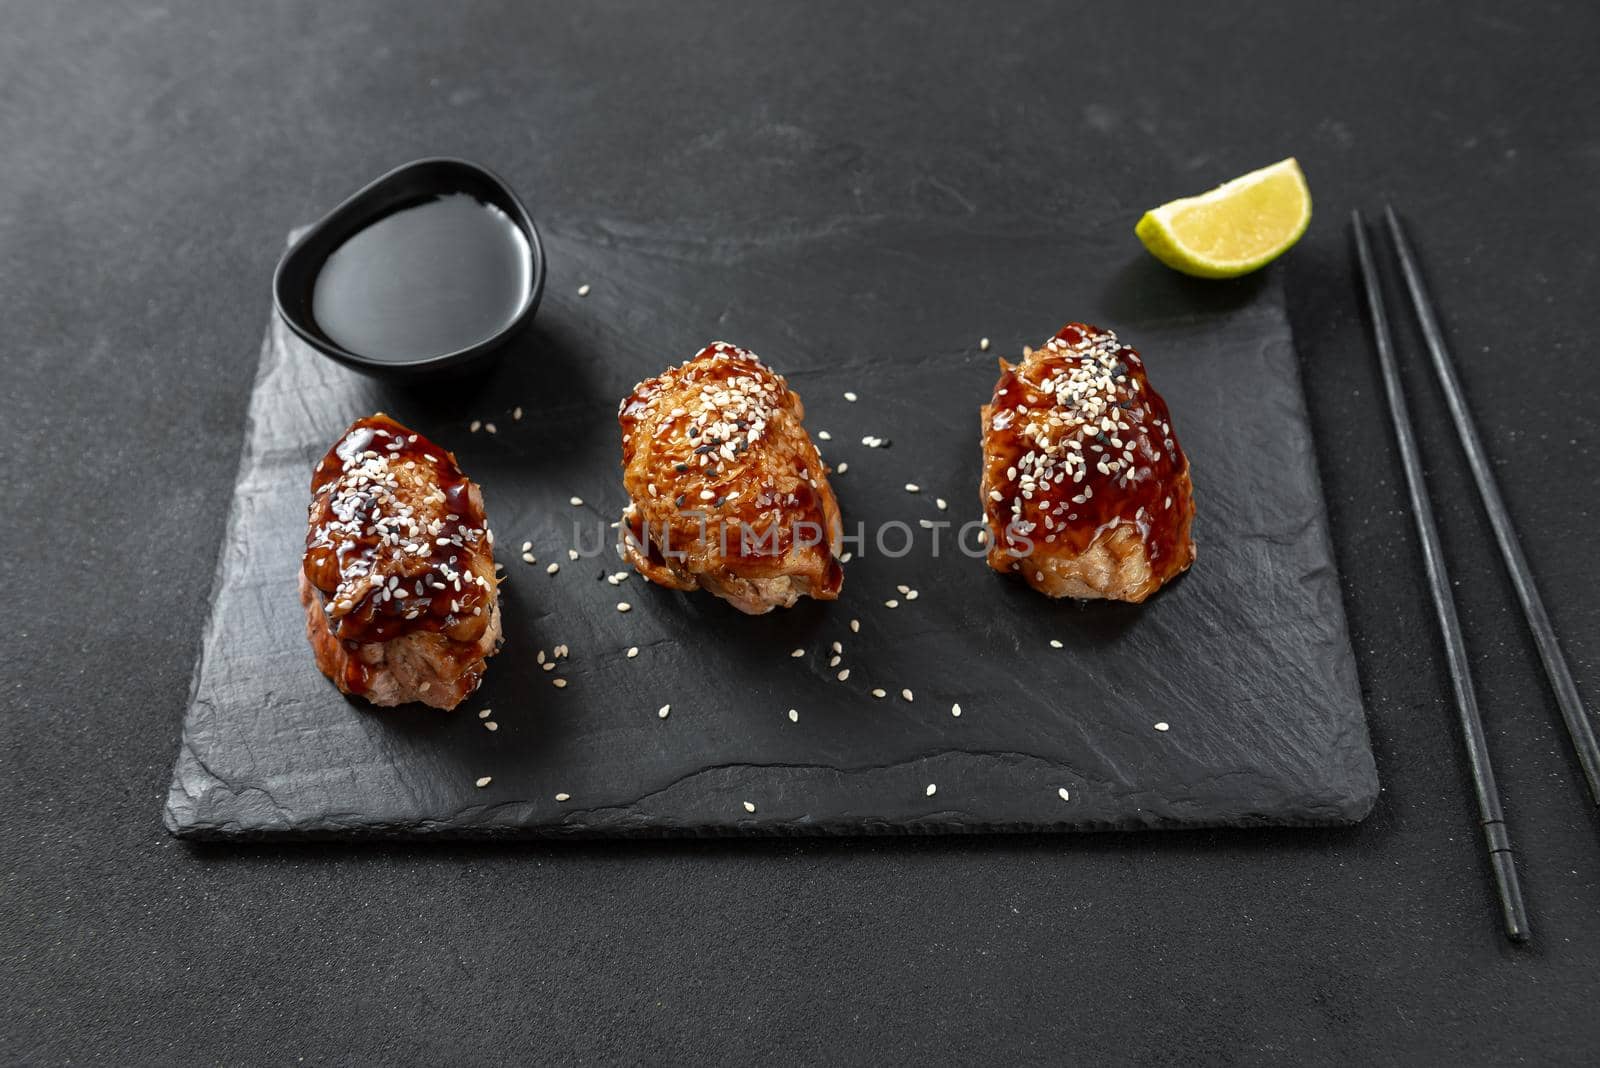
x=433, y=266
x=431, y=279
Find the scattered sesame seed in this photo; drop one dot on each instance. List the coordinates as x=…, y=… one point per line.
x=912, y=487
x=475, y=426
x=527, y=546
x=572, y=554
x=1162, y=726
x=576, y=502
x=1055, y=643
x=798, y=653
x=855, y=626
x=906, y=694
x=485, y=781
x=794, y=715
x=633, y=651
x=823, y=435
x=879, y=692
x=891, y=603
x=912, y=595
x=552, y=569
x=837, y=647
x=624, y=606
x=1062, y=793
x=516, y=413
x=955, y=710
x=845, y=674
x=490, y=725
x=842, y=468
x=984, y=344
x=833, y=661
x=583, y=290
x=560, y=684
x=529, y=558
x=933, y=788
x=748, y=807
x=485, y=713
x=850, y=396
x=490, y=427
x=563, y=797
x=663, y=711
x=941, y=503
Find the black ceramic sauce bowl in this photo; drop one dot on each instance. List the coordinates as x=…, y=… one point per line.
x=422, y=180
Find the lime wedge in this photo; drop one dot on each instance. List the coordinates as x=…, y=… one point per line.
x=1234, y=229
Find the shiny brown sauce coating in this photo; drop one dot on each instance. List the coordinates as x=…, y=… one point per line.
x=397, y=538
x=718, y=465
x=1077, y=444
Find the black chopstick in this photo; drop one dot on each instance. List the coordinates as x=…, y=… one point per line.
x=1492, y=818
x=1579, y=728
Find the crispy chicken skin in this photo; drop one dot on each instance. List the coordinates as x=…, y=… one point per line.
x=398, y=575
x=728, y=492
x=1086, y=490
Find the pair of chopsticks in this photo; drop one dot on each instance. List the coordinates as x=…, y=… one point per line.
x=1496, y=838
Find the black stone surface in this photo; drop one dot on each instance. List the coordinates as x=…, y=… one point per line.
x=155, y=155
x=1245, y=661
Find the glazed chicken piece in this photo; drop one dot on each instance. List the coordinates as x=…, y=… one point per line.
x=398, y=576
x=728, y=492
x=1086, y=490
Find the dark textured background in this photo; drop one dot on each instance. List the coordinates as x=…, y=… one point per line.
x=153, y=157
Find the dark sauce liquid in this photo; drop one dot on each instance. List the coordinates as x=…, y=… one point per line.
x=424, y=281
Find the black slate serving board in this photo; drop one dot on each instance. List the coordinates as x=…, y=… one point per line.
x=1246, y=659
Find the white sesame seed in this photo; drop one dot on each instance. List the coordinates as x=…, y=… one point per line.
x=1062, y=793
x=572, y=554
x=906, y=694
x=845, y=674
x=837, y=647
x=850, y=396
x=485, y=713
x=560, y=684
x=833, y=661
x=823, y=435
x=563, y=797
x=475, y=426
x=912, y=487
x=485, y=781
x=1162, y=726
x=624, y=606
x=855, y=626
x=798, y=653
x=880, y=693
x=576, y=502
x=552, y=569
x=912, y=595
x=984, y=344
x=633, y=651
x=941, y=503
x=490, y=725
x=933, y=788
x=527, y=546
x=490, y=427
x=583, y=290
x=516, y=413
x=528, y=558
x=842, y=468
x=748, y=807
x=891, y=603
x=955, y=710
x=663, y=711
x=1055, y=643
x=794, y=715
